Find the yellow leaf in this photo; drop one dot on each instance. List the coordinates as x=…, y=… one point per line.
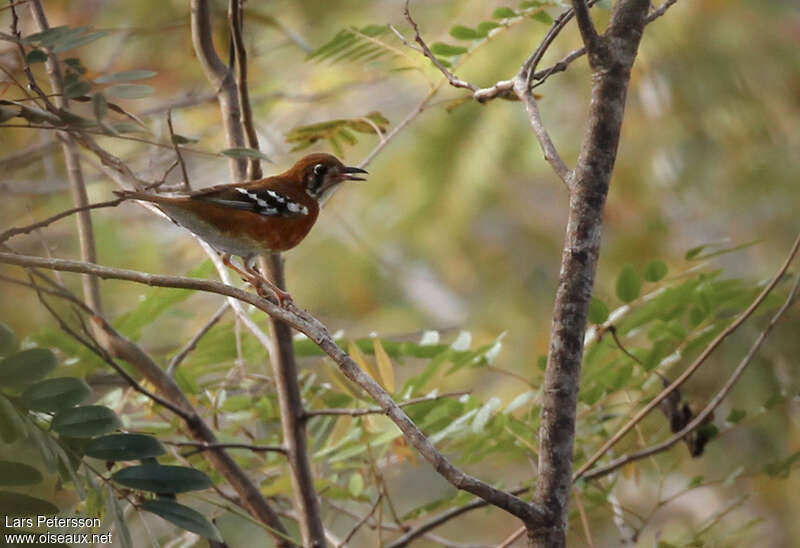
x=340, y=430
x=340, y=381
x=361, y=361
x=385, y=367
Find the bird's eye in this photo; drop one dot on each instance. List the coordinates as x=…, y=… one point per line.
x=320, y=169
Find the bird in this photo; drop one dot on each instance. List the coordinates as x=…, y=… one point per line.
x=259, y=217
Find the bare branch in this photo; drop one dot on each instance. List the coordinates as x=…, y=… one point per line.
x=705, y=414
x=15, y=231
x=378, y=410
x=552, y=156
x=178, y=154
x=236, y=18
x=317, y=332
x=290, y=400
x=221, y=78
x=192, y=344
x=437, y=521
x=589, y=184
x=205, y=446
x=694, y=366
x=361, y=522
x=588, y=32
x=91, y=286
x=426, y=51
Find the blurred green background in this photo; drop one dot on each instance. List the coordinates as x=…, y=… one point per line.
x=461, y=222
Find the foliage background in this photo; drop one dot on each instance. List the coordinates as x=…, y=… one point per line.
x=460, y=225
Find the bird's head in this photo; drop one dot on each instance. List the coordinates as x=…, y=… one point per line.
x=321, y=173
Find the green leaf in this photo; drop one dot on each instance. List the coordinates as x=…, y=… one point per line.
x=8, y=340
x=129, y=91
x=503, y=13
x=629, y=284
x=244, y=152
x=183, y=140
x=126, y=76
x=460, y=32
x=598, y=311
x=782, y=468
x=78, y=41
x=51, y=36
x=440, y=48
x=11, y=425
x=356, y=484
x=542, y=16
x=55, y=394
x=77, y=88
x=485, y=27
x=35, y=56
x=116, y=447
x=736, y=415
x=19, y=505
x=655, y=271
x=99, y=106
x=182, y=516
x=17, y=473
x=162, y=479
x=26, y=367
x=86, y=422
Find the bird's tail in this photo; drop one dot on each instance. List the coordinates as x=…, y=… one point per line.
x=138, y=195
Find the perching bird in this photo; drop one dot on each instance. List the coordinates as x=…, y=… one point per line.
x=264, y=216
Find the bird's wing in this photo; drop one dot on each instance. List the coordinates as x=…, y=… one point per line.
x=263, y=201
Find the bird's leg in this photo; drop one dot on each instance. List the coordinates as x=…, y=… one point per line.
x=282, y=296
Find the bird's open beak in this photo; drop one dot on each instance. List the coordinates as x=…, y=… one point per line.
x=350, y=174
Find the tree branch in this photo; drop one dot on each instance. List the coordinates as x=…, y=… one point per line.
x=205, y=446
x=426, y=51
x=27, y=229
x=221, y=77
x=317, y=332
x=589, y=188
x=694, y=366
x=91, y=286
x=588, y=32
x=523, y=91
x=192, y=344
x=378, y=410
x=236, y=18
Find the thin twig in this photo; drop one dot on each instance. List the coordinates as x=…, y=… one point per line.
x=591, y=38
x=693, y=367
x=15, y=231
x=551, y=154
x=510, y=539
x=377, y=410
x=452, y=78
x=205, y=446
x=177, y=149
x=712, y=405
x=236, y=18
x=192, y=344
x=437, y=521
x=362, y=521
